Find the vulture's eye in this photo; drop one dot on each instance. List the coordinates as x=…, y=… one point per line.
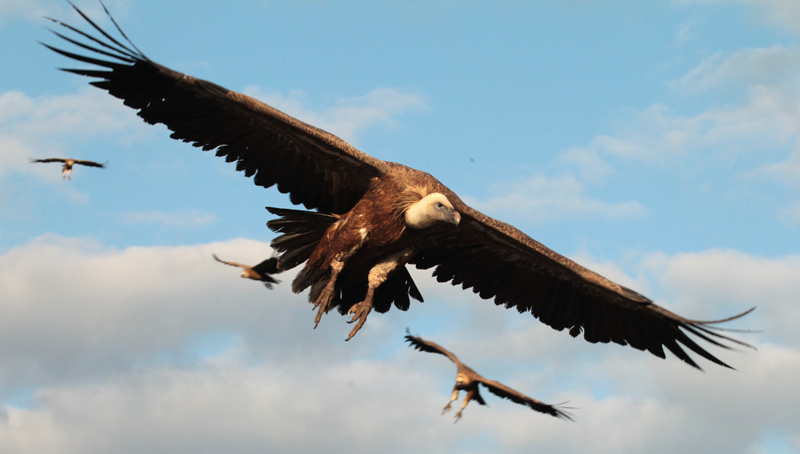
x=439, y=205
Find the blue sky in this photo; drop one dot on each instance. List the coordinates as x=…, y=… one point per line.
x=653, y=142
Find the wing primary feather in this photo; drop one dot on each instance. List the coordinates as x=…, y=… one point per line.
x=124, y=53
x=103, y=32
x=119, y=29
x=118, y=55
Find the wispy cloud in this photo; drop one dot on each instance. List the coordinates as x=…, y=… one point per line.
x=781, y=14
x=761, y=120
x=347, y=116
x=48, y=126
x=80, y=115
x=181, y=219
x=776, y=65
x=545, y=199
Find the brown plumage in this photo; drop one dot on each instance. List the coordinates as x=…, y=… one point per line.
x=66, y=170
x=468, y=380
x=261, y=272
x=375, y=217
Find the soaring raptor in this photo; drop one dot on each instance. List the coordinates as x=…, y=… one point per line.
x=261, y=272
x=66, y=170
x=373, y=218
x=468, y=380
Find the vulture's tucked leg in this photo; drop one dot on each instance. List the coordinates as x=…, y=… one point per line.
x=470, y=393
x=452, y=399
x=377, y=276
x=325, y=297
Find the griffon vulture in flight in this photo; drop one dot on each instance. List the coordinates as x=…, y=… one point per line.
x=468, y=380
x=375, y=217
x=261, y=272
x=66, y=170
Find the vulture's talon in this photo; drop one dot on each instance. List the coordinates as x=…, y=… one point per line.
x=358, y=313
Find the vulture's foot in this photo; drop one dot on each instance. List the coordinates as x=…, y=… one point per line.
x=447, y=407
x=458, y=416
x=358, y=313
x=323, y=302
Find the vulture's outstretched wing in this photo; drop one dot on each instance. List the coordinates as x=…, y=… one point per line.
x=498, y=261
x=90, y=163
x=505, y=392
x=48, y=160
x=229, y=263
x=495, y=387
x=316, y=168
x=430, y=347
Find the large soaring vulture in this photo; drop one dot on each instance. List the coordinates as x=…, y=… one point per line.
x=66, y=170
x=375, y=217
x=468, y=380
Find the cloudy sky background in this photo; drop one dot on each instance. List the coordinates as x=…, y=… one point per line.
x=655, y=143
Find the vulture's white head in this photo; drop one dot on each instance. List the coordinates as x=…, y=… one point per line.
x=431, y=209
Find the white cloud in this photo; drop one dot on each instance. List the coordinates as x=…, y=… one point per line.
x=762, y=119
x=776, y=65
x=51, y=126
x=162, y=349
x=685, y=32
x=783, y=14
x=182, y=219
x=84, y=114
x=767, y=120
x=718, y=280
x=348, y=116
x=590, y=166
x=786, y=171
x=544, y=199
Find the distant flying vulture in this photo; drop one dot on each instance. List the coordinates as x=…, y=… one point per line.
x=66, y=170
x=261, y=272
x=468, y=380
x=375, y=217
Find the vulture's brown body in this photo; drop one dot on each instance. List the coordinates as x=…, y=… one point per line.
x=374, y=217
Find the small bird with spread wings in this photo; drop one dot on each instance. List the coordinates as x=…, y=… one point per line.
x=68, y=163
x=260, y=272
x=468, y=380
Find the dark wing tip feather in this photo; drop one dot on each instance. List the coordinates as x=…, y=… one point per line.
x=505, y=392
x=703, y=330
x=560, y=411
